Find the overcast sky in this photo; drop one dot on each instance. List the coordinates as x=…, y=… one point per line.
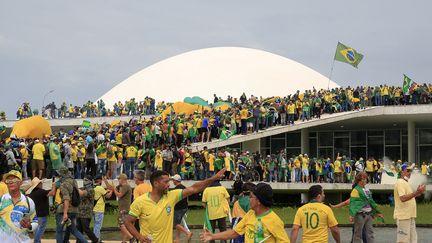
x=81, y=49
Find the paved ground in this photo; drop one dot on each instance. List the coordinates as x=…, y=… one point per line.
x=381, y=235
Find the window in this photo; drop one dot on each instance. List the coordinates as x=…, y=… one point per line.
x=325, y=152
x=358, y=138
x=357, y=152
x=425, y=136
x=325, y=139
x=393, y=152
x=294, y=139
x=341, y=146
x=375, y=147
x=392, y=137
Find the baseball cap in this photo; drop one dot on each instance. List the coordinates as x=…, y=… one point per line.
x=176, y=177
x=264, y=193
x=403, y=167
x=15, y=173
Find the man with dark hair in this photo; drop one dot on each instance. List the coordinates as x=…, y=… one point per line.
x=155, y=212
x=315, y=218
x=260, y=224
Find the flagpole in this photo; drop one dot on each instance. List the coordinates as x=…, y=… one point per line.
x=331, y=73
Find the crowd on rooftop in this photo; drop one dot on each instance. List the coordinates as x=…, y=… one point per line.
x=310, y=103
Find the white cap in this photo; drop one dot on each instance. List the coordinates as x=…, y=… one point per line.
x=176, y=177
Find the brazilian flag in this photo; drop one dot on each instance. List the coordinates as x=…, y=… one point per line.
x=348, y=55
x=408, y=85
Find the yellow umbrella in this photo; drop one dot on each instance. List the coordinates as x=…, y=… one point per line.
x=32, y=127
x=181, y=107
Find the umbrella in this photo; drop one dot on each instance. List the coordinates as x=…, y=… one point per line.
x=32, y=127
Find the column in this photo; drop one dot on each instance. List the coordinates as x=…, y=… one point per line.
x=411, y=142
x=305, y=141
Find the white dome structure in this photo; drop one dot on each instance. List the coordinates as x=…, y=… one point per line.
x=222, y=71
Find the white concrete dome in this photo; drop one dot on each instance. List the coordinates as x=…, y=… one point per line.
x=222, y=71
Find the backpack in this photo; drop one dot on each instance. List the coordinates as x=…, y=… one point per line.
x=75, y=199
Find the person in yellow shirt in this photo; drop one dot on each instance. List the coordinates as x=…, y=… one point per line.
x=244, y=114
x=81, y=159
x=315, y=218
x=74, y=158
x=370, y=169
x=131, y=156
x=305, y=168
x=158, y=163
x=211, y=161
x=24, y=158
x=297, y=167
x=38, y=163
x=405, y=211
x=338, y=170
x=290, y=108
x=99, y=208
x=112, y=160
x=141, y=187
x=155, y=209
x=424, y=168
x=216, y=201
x=260, y=224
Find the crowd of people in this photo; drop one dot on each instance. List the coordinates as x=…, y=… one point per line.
x=151, y=212
x=90, y=109
x=261, y=112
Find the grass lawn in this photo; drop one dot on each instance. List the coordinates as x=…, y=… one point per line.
x=195, y=216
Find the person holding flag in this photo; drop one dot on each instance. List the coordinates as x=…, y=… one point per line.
x=155, y=210
x=216, y=201
x=362, y=209
x=260, y=224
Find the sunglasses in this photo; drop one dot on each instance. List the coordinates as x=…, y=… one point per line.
x=12, y=181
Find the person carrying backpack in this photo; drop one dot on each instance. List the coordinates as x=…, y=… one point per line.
x=67, y=210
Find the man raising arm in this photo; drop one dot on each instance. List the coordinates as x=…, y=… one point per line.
x=155, y=209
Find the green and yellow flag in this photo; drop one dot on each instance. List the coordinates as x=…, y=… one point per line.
x=408, y=85
x=348, y=55
x=207, y=224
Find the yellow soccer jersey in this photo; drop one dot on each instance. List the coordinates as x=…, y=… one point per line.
x=11, y=215
x=99, y=196
x=216, y=199
x=156, y=219
x=271, y=223
x=315, y=218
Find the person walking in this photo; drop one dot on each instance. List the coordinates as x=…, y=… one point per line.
x=99, y=207
x=362, y=209
x=405, y=211
x=17, y=211
x=315, y=218
x=87, y=194
x=40, y=198
x=66, y=213
x=180, y=210
x=155, y=211
x=260, y=224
